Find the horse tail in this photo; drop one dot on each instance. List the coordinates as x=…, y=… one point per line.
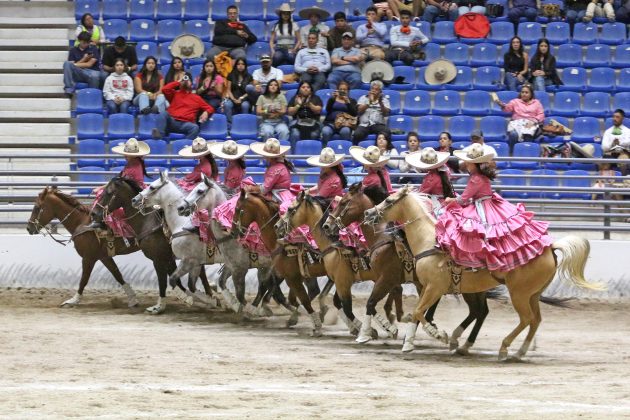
x=575, y=251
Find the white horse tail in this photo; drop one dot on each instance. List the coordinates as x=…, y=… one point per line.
x=575, y=251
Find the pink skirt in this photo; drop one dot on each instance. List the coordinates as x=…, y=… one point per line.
x=509, y=238
x=252, y=240
x=186, y=186
x=201, y=219
x=115, y=220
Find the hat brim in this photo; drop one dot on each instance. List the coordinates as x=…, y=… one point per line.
x=429, y=73
x=279, y=10
x=463, y=155
x=414, y=160
x=217, y=150
x=259, y=147
x=143, y=150
x=579, y=149
x=357, y=154
x=306, y=13
x=376, y=66
x=187, y=152
x=314, y=161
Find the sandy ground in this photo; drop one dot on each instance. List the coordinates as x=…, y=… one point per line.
x=102, y=360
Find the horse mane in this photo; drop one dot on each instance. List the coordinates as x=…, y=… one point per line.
x=426, y=205
x=376, y=193
x=324, y=205
x=71, y=201
x=272, y=204
x=132, y=184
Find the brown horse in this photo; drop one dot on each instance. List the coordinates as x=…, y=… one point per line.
x=434, y=269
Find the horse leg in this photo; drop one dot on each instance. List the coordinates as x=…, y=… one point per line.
x=382, y=286
x=521, y=303
x=295, y=283
x=206, y=297
x=345, y=296
x=323, y=307
x=478, y=311
x=87, y=265
x=534, y=303
x=204, y=281
x=238, y=279
x=266, y=284
x=430, y=294
x=313, y=287
x=162, y=275
x=109, y=263
x=186, y=266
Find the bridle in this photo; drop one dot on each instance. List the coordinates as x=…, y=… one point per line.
x=237, y=223
x=141, y=205
x=105, y=207
x=40, y=209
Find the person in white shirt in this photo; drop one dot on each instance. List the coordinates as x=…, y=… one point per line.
x=384, y=143
x=372, y=108
x=262, y=76
x=312, y=63
x=118, y=89
x=405, y=40
x=371, y=36
x=616, y=140
x=315, y=15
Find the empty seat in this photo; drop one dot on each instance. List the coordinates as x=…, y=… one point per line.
x=460, y=127
x=89, y=101
x=463, y=79
x=214, y=128
x=259, y=28
x=430, y=127
x=446, y=102
x=408, y=75
x=569, y=55
x=197, y=9
x=544, y=182
x=574, y=79
x=158, y=147
x=340, y=146
x=443, y=32
x=244, y=126
x=146, y=123
x=141, y=9
x=494, y=128
x=484, y=54
x=476, y=102
x=169, y=9
x=431, y=53
x=602, y=80
x=176, y=146
x=92, y=7
x=623, y=82
x=114, y=28
x=567, y=104
x=558, y=33
x=503, y=150
x=121, y=126
x=622, y=101
x=256, y=50
x=596, y=104
x=513, y=177
x=501, y=32
x=585, y=129
x=488, y=78
x=355, y=94
x=219, y=8
x=525, y=150
x=530, y=32
x=613, y=33
x=572, y=181
x=168, y=30
x=90, y=126
x=597, y=55
x=393, y=96
x=457, y=53
x=142, y=30
x=584, y=33
x=252, y=10
x=115, y=9
x=145, y=49
x=417, y=102
x=95, y=180
x=621, y=59
x=400, y=125
x=545, y=100
x=199, y=28
x=165, y=56
x=91, y=147
x=422, y=83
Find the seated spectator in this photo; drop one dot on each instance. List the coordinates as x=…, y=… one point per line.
x=231, y=35
x=599, y=8
x=471, y=6
x=371, y=36
x=415, y=7
x=118, y=89
x=383, y=10
x=182, y=114
x=237, y=99
x=442, y=8
x=312, y=63
x=522, y=8
x=406, y=41
x=616, y=140
x=97, y=34
x=575, y=11
x=446, y=145
x=83, y=65
x=527, y=116
x=262, y=76
x=341, y=27
x=543, y=67
x=413, y=145
x=271, y=107
x=372, y=108
x=285, y=37
x=346, y=63
x=148, y=84
x=305, y=108
x=176, y=71
x=315, y=15
x=120, y=49
x=339, y=102
x=384, y=143
x=210, y=84
x=515, y=65
x=622, y=13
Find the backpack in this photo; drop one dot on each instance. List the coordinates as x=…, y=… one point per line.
x=472, y=25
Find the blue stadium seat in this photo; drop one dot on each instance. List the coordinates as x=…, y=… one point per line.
x=141, y=9
x=393, y=96
x=566, y=104
x=623, y=82
x=354, y=94
x=613, y=33
x=519, y=180
x=340, y=146
x=94, y=179
x=289, y=69
x=588, y=166
x=358, y=5
x=409, y=75
x=244, y=126
x=457, y=53
x=366, y=143
x=165, y=57
x=545, y=100
x=200, y=28
x=400, y=145
x=116, y=27
x=431, y=143
x=621, y=59
x=145, y=49
x=558, y=33
x=488, y=78
x=219, y=9
x=422, y=83
x=400, y=122
x=530, y=32
x=503, y=150
x=602, y=80
x=597, y=55
x=417, y=102
x=596, y=104
x=484, y=54
x=259, y=28
x=115, y=9
x=430, y=127
x=431, y=53
x=252, y=10
x=214, y=128
x=255, y=50
x=460, y=127
x=89, y=101
x=574, y=79
x=299, y=5
x=463, y=79
x=82, y=7
x=494, y=128
x=91, y=147
x=573, y=182
x=585, y=33
x=569, y=55
x=443, y=32
x=121, y=126
x=176, y=146
x=291, y=93
x=168, y=30
x=169, y=9
x=306, y=147
x=525, y=149
x=90, y=126
x=446, y=102
x=158, y=147
x=476, y=102
x=503, y=49
x=622, y=101
x=195, y=71
x=585, y=129
x=501, y=32
x=142, y=30
x=544, y=182
x=146, y=123
x=198, y=10
x=323, y=94
x=460, y=145
x=505, y=96
x=153, y=172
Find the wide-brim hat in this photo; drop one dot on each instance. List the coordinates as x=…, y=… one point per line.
x=440, y=72
x=370, y=156
x=270, y=148
x=229, y=150
x=198, y=148
x=377, y=70
x=307, y=12
x=587, y=151
x=284, y=7
x=475, y=153
x=187, y=46
x=132, y=147
x=427, y=158
x=326, y=158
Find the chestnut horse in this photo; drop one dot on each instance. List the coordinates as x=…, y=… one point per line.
x=433, y=267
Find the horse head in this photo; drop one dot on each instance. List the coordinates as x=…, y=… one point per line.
x=351, y=207
x=118, y=193
x=285, y=223
x=155, y=195
x=206, y=195
x=43, y=212
x=386, y=210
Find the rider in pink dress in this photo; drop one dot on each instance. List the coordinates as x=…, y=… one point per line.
x=436, y=183
x=374, y=164
x=482, y=230
x=331, y=181
x=234, y=174
x=207, y=165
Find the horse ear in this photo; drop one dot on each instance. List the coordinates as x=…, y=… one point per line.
x=243, y=193
x=163, y=175
x=301, y=195
x=206, y=180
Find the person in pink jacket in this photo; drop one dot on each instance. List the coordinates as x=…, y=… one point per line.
x=527, y=116
x=234, y=174
x=374, y=164
x=331, y=180
x=437, y=181
x=206, y=165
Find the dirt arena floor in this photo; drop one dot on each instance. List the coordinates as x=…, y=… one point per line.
x=102, y=360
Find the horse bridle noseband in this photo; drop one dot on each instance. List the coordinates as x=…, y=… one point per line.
x=39, y=226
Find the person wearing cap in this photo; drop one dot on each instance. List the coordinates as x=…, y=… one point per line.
x=480, y=229
x=616, y=140
x=374, y=164
x=346, y=62
x=312, y=63
x=315, y=15
x=476, y=136
x=285, y=37
x=405, y=40
x=372, y=108
x=96, y=32
x=120, y=49
x=437, y=181
x=371, y=36
x=206, y=165
x=331, y=181
x=231, y=35
x=234, y=153
x=341, y=27
x=83, y=65
x=262, y=76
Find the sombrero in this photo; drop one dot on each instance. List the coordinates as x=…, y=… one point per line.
x=199, y=148
x=585, y=151
x=326, y=159
x=284, y=7
x=440, y=72
x=229, y=150
x=270, y=148
x=475, y=153
x=377, y=70
x=427, y=158
x=306, y=13
x=132, y=147
x=370, y=156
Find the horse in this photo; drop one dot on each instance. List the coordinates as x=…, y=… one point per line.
x=387, y=262
x=438, y=274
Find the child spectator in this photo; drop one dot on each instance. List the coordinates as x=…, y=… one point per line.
x=118, y=89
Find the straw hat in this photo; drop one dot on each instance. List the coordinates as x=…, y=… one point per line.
x=132, y=147
x=199, y=148
x=270, y=148
x=586, y=151
x=306, y=13
x=326, y=159
x=427, y=158
x=440, y=72
x=284, y=7
x=229, y=150
x=475, y=153
x=377, y=70
x=370, y=156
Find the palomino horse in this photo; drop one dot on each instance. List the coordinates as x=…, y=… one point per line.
x=386, y=261
x=436, y=273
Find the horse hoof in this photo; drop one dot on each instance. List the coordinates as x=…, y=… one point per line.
x=133, y=302
x=155, y=310
x=250, y=310
x=391, y=318
x=406, y=318
x=374, y=333
x=316, y=333
x=453, y=344
x=462, y=351
x=393, y=334
x=503, y=355
x=265, y=311
x=73, y=301
x=362, y=339
x=408, y=347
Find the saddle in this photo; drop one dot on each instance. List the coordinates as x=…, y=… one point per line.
x=306, y=255
x=405, y=254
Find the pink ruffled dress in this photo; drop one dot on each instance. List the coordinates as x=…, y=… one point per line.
x=482, y=230
x=191, y=180
x=372, y=178
x=432, y=186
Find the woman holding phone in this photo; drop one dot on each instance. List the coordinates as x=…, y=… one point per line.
x=339, y=102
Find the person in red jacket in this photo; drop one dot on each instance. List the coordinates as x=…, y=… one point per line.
x=183, y=113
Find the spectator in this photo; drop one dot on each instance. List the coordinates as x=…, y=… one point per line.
x=515, y=65
x=406, y=40
x=236, y=97
x=285, y=37
x=271, y=107
x=446, y=145
x=383, y=9
x=371, y=36
x=543, y=67
x=262, y=76
x=118, y=89
x=415, y=7
x=176, y=71
x=315, y=15
x=312, y=63
x=231, y=35
x=341, y=27
x=384, y=143
x=471, y=6
x=522, y=8
x=83, y=65
x=346, y=61
x=97, y=34
x=120, y=49
x=210, y=85
x=600, y=8
x=437, y=8
x=616, y=140
x=575, y=11
x=477, y=137
x=413, y=145
x=622, y=13
x=148, y=84
x=183, y=112
x=527, y=116
x=306, y=108
x=372, y=109
x=339, y=102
